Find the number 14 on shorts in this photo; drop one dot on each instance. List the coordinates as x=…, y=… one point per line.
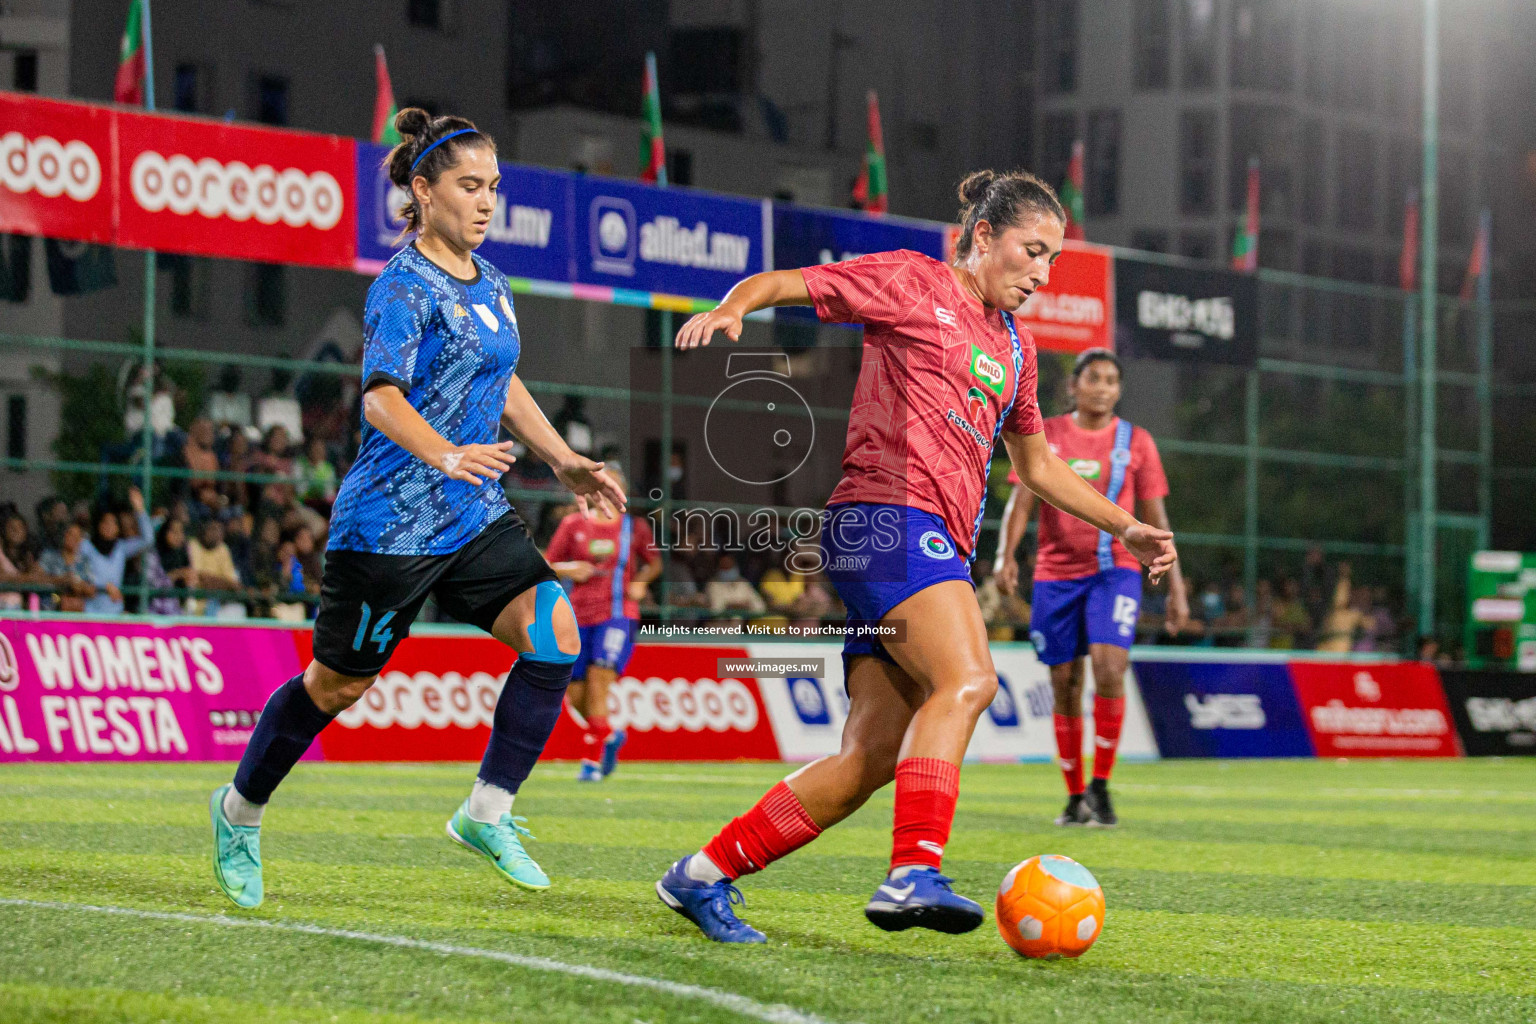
x=381, y=634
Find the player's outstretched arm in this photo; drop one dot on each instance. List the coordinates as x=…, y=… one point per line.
x=1054, y=481
x=386, y=409
x=585, y=478
x=771, y=288
x=1005, y=568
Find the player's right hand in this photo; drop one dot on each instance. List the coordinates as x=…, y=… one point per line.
x=477, y=463
x=701, y=327
x=1007, y=575
x=580, y=572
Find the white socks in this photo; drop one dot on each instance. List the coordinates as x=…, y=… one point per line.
x=487, y=803
x=241, y=811
x=701, y=869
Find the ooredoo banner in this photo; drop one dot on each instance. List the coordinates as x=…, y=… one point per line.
x=215, y=189
x=107, y=691
x=1076, y=309
x=55, y=169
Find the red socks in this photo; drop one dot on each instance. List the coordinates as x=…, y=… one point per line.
x=596, y=734
x=926, y=790
x=776, y=827
x=1069, y=749
x=1108, y=715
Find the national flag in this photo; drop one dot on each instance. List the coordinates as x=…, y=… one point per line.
x=1477, y=265
x=1408, y=261
x=872, y=191
x=129, y=85
x=1072, y=193
x=1245, y=245
x=384, y=106
x=653, y=151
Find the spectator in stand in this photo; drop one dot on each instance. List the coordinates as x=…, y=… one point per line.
x=19, y=554
x=279, y=408
x=780, y=589
x=1232, y=627
x=52, y=517
x=215, y=569
x=310, y=559
x=1343, y=618
x=169, y=565
x=70, y=572
x=1261, y=625
x=317, y=477
x=207, y=502
x=238, y=526
x=288, y=603
x=1291, y=622
x=198, y=453
x=729, y=592
x=814, y=604
x=238, y=458
x=273, y=458
x=106, y=554
x=1209, y=608
x=228, y=406
x=162, y=416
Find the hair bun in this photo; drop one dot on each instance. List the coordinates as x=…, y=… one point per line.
x=411, y=121
x=974, y=188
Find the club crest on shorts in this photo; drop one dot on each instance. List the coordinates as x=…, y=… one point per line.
x=936, y=545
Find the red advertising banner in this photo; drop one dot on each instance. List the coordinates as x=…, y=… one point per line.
x=215, y=189
x=55, y=169
x=1396, y=709
x=1076, y=310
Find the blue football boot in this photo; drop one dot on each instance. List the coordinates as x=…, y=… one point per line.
x=921, y=898
x=707, y=905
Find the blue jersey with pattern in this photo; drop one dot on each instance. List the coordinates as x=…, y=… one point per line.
x=451, y=347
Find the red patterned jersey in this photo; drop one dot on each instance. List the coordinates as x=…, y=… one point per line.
x=940, y=371
x=601, y=597
x=1068, y=547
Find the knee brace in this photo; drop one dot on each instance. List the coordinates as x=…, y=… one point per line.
x=542, y=631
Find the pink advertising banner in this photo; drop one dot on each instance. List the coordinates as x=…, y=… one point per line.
x=112, y=691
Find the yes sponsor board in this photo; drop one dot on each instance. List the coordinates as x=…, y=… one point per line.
x=73, y=690
x=529, y=233
x=1495, y=712
x=1204, y=315
x=55, y=169
x=1223, y=709
x=1076, y=310
x=675, y=241
x=806, y=237
x=1389, y=709
x=215, y=189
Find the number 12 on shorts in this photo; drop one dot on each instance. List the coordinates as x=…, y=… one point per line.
x=381, y=634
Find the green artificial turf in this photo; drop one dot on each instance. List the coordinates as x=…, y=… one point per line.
x=1291, y=892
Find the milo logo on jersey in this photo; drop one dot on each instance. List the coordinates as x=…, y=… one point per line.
x=601, y=547
x=988, y=370
x=1088, y=469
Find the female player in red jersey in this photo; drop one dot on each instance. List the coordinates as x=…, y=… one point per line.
x=1087, y=592
x=599, y=555
x=946, y=374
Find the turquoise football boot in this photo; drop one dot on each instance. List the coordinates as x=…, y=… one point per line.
x=236, y=855
x=500, y=844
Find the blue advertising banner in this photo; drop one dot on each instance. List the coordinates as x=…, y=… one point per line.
x=673, y=241
x=1215, y=709
x=529, y=235
x=805, y=237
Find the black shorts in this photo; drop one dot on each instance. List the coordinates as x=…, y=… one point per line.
x=368, y=601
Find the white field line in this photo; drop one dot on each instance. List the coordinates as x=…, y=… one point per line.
x=772, y=1013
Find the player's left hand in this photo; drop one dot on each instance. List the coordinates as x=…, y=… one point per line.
x=593, y=488
x=1152, y=547
x=636, y=590
x=1176, y=618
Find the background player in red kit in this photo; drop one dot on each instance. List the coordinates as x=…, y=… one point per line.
x=1087, y=591
x=599, y=556
x=945, y=376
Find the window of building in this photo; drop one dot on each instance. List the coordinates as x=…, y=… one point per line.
x=1269, y=133
x=190, y=89
x=1318, y=52
x=679, y=166
x=189, y=284
x=424, y=13
x=1197, y=162
x=1154, y=41
x=1263, y=44
x=1149, y=240
x=1314, y=172
x=16, y=427
x=1060, y=132
x=270, y=99
x=1059, y=35
x=24, y=71
x=266, y=294
x=1456, y=187
x=1355, y=201
x=1198, y=245
x=1197, y=36
x=1103, y=171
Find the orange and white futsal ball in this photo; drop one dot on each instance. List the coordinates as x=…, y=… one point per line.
x=1050, y=906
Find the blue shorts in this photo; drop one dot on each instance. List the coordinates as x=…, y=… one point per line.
x=877, y=556
x=606, y=645
x=1068, y=615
